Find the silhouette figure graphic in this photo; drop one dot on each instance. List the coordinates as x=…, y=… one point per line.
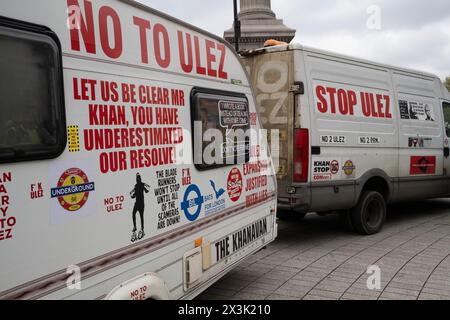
x=218, y=193
x=139, y=206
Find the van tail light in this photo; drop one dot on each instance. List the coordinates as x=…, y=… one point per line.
x=301, y=155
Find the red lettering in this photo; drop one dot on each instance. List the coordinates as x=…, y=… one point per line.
x=128, y=93
x=158, y=31
x=365, y=104
x=210, y=58
x=143, y=25
x=387, y=100
x=352, y=101
x=380, y=106
x=187, y=67
x=200, y=70
x=113, y=162
x=86, y=27
x=105, y=13
x=342, y=102
x=372, y=105
x=86, y=90
x=332, y=93
x=5, y=201
x=322, y=106
x=222, y=73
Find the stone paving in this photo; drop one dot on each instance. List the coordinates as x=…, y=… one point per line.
x=317, y=259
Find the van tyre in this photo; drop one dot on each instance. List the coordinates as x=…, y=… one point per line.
x=369, y=215
x=288, y=215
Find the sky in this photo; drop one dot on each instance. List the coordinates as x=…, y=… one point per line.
x=405, y=33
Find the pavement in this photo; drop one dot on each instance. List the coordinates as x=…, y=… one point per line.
x=317, y=259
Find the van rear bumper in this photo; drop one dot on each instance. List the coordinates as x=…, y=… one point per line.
x=300, y=201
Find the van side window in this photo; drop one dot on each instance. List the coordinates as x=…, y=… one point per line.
x=221, y=129
x=32, y=120
x=446, y=107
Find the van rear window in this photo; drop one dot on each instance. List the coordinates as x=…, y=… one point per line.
x=221, y=124
x=32, y=121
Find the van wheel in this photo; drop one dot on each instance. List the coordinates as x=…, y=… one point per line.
x=369, y=215
x=288, y=215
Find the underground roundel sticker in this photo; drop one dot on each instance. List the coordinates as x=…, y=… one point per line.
x=192, y=202
x=73, y=189
x=234, y=184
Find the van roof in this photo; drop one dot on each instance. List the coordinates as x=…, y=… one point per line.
x=297, y=46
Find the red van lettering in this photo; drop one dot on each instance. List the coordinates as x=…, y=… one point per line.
x=105, y=14
x=352, y=101
x=186, y=66
x=387, y=100
x=223, y=51
x=343, y=102
x=332, y=93
x=210, y=58
x=160, y=31
x=143, y=26
x=83, y=25
x=200, y=69
x=322, y=106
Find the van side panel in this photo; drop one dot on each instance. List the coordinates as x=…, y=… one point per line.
x=353, y=124
x=130, y=157
x=421, y=137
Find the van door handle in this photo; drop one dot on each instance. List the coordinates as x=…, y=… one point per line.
x=446, y=152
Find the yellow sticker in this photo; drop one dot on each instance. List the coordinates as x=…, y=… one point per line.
x=73, y=139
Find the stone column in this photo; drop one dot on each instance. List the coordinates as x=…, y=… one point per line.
x=258, y=24
x=256, y=9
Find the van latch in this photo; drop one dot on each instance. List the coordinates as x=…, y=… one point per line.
x=298, y=88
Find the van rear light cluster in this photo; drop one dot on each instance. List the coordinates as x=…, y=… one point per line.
x=301, y=155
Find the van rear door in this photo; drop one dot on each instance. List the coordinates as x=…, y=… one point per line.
x=272, y=77
x=446, y=118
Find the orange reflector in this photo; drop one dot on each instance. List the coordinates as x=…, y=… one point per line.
x=198, y=242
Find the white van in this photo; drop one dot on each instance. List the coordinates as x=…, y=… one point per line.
x=354, y=134
x=100, y=196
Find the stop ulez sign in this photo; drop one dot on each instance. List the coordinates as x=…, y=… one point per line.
x=348, y=102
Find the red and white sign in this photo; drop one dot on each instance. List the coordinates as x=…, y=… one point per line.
x=234, y=184
x=421, y=165
x=331, y=99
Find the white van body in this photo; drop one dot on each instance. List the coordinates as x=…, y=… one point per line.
x=121, y=84
x=348, y=125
